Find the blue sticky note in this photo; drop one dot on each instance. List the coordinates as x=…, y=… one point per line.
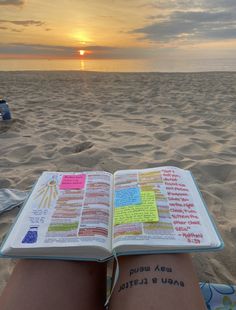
x=127, y=197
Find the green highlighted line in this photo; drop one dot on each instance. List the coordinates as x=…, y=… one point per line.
x=63, y=227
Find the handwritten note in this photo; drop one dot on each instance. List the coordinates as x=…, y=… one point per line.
x=144, y=212
x=128, y=196
x=73, y=181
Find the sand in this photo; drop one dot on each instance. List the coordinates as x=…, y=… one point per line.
x=72, y=121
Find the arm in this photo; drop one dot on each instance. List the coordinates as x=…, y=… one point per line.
x=44, y=284
x=165, y=281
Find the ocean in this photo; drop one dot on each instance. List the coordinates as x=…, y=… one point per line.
x=180, y=64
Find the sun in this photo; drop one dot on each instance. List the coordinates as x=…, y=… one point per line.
x=84, y=52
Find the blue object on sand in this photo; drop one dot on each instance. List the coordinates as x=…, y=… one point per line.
x=4, y=110
x=219, y=296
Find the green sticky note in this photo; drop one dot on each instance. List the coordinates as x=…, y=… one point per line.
x=140, y=213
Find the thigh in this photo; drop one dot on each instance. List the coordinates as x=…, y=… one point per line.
x=165, y=281
x=50, y=284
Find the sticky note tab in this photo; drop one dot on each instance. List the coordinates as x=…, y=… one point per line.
x=144, y=212
x=73, y=181
x=128, y=196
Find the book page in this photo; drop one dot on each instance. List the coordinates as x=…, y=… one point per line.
x=180, y=221
x=67, y=209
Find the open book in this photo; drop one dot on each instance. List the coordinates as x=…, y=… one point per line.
x=95, y=215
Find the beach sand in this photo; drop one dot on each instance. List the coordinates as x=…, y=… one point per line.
x=72, y=121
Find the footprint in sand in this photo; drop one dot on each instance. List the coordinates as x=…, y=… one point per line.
x=78, y=148
x=162, y=136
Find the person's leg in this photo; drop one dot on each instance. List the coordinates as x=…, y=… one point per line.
x=160, y=282
x=51, y=284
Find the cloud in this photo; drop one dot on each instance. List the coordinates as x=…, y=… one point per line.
x=190, y=4
x=70, y=52
x=10, y=29
x=15, y=30
x=217, y=4
x=203, y=16
x=192, y=25
x=157, y=16
x=37, y=49
x=170, y=4
x=24, y=23
x=12, y=2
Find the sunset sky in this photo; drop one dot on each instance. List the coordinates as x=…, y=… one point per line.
x=118, y=29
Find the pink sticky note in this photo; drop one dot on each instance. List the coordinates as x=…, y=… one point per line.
x=73, y=181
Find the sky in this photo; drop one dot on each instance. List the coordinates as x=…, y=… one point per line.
x=117, y=29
